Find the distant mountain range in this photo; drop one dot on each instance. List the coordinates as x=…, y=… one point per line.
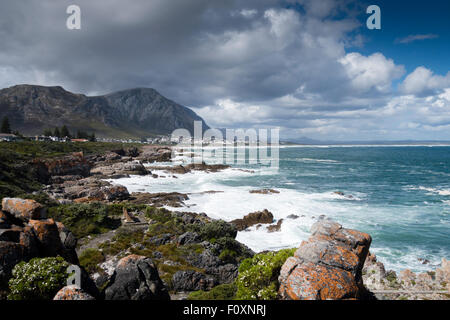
x=134, y=113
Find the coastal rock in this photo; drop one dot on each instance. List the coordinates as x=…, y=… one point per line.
x=47, y=234
x=72, y=293
x=327, y=266
x=132, y=167
x=188, y=238
x=190, y=280
x=89, y=189
x=180, y=169
x=173, y=199
x=72, y=165
x=24, y=209
x=432, y=285
x=225, y=273
x=136, y=278
x=264, y=191
x=263, y=217
x=155, y=154
x=275, y=227
x=10, y=254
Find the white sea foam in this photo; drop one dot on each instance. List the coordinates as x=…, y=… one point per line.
x=441, y=192
x=234, y=202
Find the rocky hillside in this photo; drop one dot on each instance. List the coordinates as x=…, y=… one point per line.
x=134, y=113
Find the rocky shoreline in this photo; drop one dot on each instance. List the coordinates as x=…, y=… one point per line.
x=162, y=254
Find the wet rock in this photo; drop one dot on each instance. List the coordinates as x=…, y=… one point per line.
x=264, y=191
x=180, y=169
x=72, y=293
x=136, y=278
x=292, y=216
x=191, y=281
x=327, y=266
x=263, y=217
x=275, y=227
x=24, y=209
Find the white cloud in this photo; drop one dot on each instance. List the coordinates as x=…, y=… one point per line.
x=416, y=37
x=422, y=81
x=374, y=71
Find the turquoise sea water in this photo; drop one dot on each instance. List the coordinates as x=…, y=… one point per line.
x=399, y=195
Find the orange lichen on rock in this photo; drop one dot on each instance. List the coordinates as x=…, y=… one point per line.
x=327, y=266
x=23, y=208
x=72, y=293
x=318, y=282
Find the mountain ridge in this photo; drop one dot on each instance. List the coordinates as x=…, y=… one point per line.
x=130, y=113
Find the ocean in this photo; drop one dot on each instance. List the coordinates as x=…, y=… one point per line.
x=400, y=195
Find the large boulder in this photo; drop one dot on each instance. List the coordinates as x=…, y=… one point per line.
x=120, y=168
x=47, y=234
x=327, y=266
x=49, y=243
x=260, y=217
x=23, y=209
x=72, y=165
x=155, y=154
x=88, y=189
x=68, y=243
x=136, y=278
x=11, y=253
x=72, y=293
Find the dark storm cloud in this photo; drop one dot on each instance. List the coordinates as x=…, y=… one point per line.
x=236, y=62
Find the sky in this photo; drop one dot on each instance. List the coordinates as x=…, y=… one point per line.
x=309, y=67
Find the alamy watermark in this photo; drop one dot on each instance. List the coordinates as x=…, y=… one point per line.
x=74, y=20
x=235, y=147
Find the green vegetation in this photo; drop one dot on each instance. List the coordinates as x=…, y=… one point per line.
x=220, y=292
x=85, y=218
x=18, y=177
x=90, y=259
x=258, y=276
x=217, y=229
x=123, y=240
x=39, y=279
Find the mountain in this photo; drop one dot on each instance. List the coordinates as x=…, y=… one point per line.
x=133, y=113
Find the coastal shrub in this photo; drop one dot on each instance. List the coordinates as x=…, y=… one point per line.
x=217, y=229
x=84, y=218
x=159, y=214
x=38, y=279
x=90, y=259
x=230, y=251
x=258, y=276
x=116, y=209
x=220, y=292
x=228, y=256
x=123, y=240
